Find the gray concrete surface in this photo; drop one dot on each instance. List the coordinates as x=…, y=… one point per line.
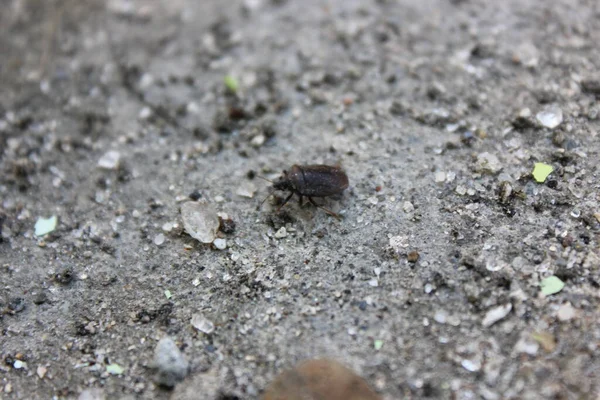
x=430, y=107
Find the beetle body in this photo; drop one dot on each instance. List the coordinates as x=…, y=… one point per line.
x=312, y=181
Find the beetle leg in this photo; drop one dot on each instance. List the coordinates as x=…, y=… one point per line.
x=328, y=211
x=285, y=201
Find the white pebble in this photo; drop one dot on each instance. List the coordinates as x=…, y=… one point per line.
x=200, y=221
x=496, y=314
x=246, y=189
x=202, y=324
x=110, y=160
x=550, y=117
x=220, y=244
x=281, y=233
x=159, y=239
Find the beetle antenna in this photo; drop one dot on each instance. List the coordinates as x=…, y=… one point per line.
x=265, y=199
x=268, y=180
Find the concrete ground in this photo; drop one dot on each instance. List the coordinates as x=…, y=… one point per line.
x=454, y=273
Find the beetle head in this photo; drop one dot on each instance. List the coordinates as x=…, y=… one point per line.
x=283, y=184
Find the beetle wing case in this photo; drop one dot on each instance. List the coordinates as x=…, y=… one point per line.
x=319, y=180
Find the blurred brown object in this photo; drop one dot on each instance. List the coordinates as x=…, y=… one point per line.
x=319, y=380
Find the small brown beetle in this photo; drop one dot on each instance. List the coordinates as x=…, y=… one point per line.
x=312, y=181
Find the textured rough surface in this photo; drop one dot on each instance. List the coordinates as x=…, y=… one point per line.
x=319, y=379
x=170, y=364
x=429, y=286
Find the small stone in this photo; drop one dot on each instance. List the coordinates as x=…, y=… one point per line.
x=408, y=207
x=440, y=316
x=470, y=365
x=566, y=312
x=412, y=256
x=195, y=195
x=373, y=282
x=92, y=394
x=200, y=221
x=550, y=117
x=40, y=298
x=8, y=388
x=461, y=190
x=488, y=162
x=440, y=177
x=281, y=233
x=171, y=365
x=115, y=369
x=203, y=324
x=146, y=81
x=159, y=239
x=16, y=305
x=496, y=314
x=526, y=345
x=258, y=141
x=41, y=371
x=18, y=364
x=145, y=113
x=110, y=160
x=167, y=227
x=43, y=226
x=319, y=379
x=220, y=244
x=373, y=200
x=246, y=189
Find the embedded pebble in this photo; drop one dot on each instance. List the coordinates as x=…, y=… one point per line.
x=159, y=239
x=440, y=177
x=41, y=371
x=550, y=117
x=220, y=244
x=408, y=207
x=203, y=324
x=440, y=316
x=496, y=314
x=566, y=312
x=281, y=233
x=92, y=394
x=110, y=160
x=246, y=189
x=44, y=226
x=488, y=162
x=413, y=256
x=171, y=365
x=470, y=365
x=461, y=190
x=200, y=221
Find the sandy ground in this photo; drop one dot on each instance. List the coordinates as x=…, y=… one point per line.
x=432, y=285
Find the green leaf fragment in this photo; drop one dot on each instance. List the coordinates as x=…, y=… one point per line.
x=541, y=172
x=231, y=83
x=44, y=226
x=551, y=285
x=168, y=294
x=378, y=344
x=114, y=369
